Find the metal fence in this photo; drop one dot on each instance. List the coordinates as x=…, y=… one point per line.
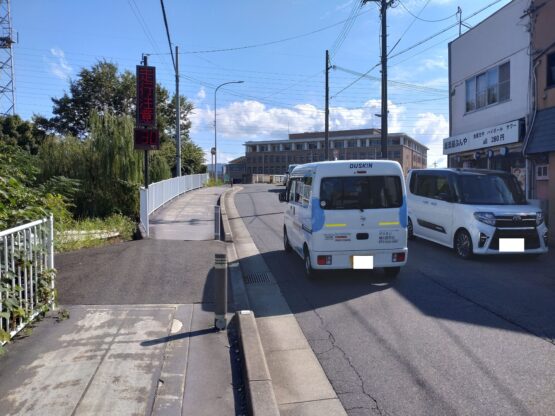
x=26, y=274
x=264, y=178
x=157, y=194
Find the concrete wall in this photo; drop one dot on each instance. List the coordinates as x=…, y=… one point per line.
x=502, y=37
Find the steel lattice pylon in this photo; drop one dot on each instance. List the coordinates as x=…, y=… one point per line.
x=7, y=80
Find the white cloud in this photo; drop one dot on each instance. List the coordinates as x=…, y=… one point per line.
x=201, y=94
x=430, y=129
x=251, y=120
x=438, y=62
x=60, y=67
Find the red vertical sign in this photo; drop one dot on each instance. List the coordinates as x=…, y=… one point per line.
x=146, y=96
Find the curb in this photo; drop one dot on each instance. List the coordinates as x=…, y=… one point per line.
x=261, y=399
x=228, y=236
x=260, y=392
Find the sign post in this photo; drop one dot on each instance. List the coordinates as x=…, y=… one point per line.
x=146, y=135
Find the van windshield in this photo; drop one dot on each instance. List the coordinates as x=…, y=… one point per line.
x=491, y=189
x=364, y=192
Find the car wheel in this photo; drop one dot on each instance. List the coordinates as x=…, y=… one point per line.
x=310, y=272
x=286, y=246
x=463, y=245
x=392, y=271
x=410, y=230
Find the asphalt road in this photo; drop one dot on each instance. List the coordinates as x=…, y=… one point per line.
x=447, y=336
x=138, y=272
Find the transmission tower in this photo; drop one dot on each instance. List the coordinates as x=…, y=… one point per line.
x=7, y=84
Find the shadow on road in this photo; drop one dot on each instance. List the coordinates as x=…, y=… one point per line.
x=176, y=337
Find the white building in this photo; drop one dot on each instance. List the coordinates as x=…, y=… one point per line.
x=490, y=101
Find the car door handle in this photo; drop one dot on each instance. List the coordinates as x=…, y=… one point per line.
x=433, y=203
x=425, y=202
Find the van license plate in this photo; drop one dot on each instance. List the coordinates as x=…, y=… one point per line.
x=363, y=262
x=511, y=245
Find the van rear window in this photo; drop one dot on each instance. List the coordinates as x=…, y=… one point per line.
x=361, y=192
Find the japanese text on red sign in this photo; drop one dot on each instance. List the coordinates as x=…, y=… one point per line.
x=146, y=96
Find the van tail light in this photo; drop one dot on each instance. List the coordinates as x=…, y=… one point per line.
x=323, y=260
x=398, y=257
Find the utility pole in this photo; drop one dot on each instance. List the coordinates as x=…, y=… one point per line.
x=177, y=116
x=327, y=122
x=384, y=4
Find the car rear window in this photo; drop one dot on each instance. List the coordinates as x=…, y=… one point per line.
x=361, y=192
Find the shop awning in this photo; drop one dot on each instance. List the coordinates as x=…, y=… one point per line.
x=542, y=138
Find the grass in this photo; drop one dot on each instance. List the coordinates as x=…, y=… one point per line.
x=93, y=233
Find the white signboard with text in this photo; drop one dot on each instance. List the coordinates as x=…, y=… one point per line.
x=492, y=136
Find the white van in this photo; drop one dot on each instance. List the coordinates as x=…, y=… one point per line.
x=474, y=211
x=347, y=215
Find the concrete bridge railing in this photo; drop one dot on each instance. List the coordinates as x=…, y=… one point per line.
x=159, y=193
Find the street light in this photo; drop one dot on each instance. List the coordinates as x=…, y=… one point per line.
x=215, y=131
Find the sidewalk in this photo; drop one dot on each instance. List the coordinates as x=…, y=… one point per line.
x=140, y=336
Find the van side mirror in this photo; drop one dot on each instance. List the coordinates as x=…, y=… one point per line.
x=282, y=196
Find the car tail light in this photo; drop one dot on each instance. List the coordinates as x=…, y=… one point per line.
x=324, y=260
x=398, y=257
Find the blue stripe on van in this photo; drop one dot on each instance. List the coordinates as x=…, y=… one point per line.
x=403, y=216
x=318, y=215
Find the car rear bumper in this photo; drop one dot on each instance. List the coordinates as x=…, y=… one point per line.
x=344, y=259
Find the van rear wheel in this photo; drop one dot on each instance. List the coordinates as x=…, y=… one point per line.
x=310, y=272
x=410, y=230
x=286, y=246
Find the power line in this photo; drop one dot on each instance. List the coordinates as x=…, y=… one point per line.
x=168, y=35
x=408, y=27
x=346, y=28
x=259, y=45
x=426, y=20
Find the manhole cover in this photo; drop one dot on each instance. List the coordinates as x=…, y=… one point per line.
x=261, y=277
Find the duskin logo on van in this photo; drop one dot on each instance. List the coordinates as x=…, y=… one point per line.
x=360, y=165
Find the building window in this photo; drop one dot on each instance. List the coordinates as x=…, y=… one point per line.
x=339, y=144
x=541, y=172
x=489, y=87
x=551, y=70
x=299, y=146
x=286, y=147
x=352, y=143
x=312, y=146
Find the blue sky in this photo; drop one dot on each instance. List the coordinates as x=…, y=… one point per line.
x=283, y=89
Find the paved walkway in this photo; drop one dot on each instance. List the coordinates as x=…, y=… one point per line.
x=140, y=337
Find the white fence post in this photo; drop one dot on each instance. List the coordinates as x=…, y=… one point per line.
x=26, y=257
x=160, y=193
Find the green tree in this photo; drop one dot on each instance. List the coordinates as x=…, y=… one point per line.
x=14, y=130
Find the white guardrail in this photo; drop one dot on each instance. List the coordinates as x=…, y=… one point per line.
x=26, y=274
x=157, y=194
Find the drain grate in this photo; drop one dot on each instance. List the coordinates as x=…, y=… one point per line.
x=258, y=277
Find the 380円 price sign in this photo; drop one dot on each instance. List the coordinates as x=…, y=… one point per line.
x=146, y=96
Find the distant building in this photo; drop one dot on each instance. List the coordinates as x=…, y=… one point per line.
x=236, y=170
x=272, y=157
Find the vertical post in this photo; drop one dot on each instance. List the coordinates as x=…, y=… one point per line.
x=220, y=310
x=216, y=222
x=384, y=78
x=51, y=258
x=145, y=63
x=327, y=122
x=215, y=139
x=177, y=116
